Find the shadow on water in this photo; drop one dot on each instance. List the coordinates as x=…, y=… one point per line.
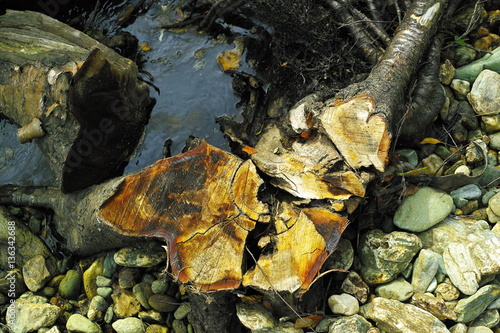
x=193, y=92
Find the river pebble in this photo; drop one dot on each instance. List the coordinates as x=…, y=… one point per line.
x=398, y=289
x=142, y=292
x=31, y=312
x=471, y=307
x=424, y=269
x=163, y=303
x=79, y=324
x=148, y=255
x=129, y=325
x=343, y=304
x=70, y=285
x=36, y=273
x=350, y=324
x=354, y=285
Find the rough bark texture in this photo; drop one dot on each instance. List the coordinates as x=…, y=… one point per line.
x=88, y=99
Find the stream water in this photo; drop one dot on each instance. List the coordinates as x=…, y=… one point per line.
x=193, y=92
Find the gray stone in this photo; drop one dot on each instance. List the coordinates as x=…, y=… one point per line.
x=69, y=287
x=353, y=284
x=422, y=210
x=109, y=264
x=489, y=176
x=323, y=325
x=148, y=255
x=108, y=316
x=495, y=140
x=343, y=304
x=104, y=291
x=142, y=292
x=410, y=155
x=79, y=324
x=36, y=273
x=383, y=256
x=471, y=307
x=396, y=317
x=398, y=289
x=459, y=328
x=424, y=269
x=469, y=192
x=103, y=281
x=163, y=303
x=97, y=308
x=159, y=286
x=433, y=165
x=343, y=256
x=489, y=318
x=254, y=316
x=30, y=313
x=461, y=88
x=485, y=95
x=351, y=324
x=129, y=325
x=182, y=311
x=435, y=305
x=479, y=329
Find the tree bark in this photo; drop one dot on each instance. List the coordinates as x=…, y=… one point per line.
x=84, y=102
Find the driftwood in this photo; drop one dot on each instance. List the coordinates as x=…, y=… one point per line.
x=80, y=101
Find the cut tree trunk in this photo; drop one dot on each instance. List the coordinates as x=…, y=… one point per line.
x=81, y=102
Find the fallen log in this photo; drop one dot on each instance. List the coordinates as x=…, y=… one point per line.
x=81, y=102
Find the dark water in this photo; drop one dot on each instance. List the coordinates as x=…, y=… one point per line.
x=193, y=92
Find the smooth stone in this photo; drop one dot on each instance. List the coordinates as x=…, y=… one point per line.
x=343, y=256
x=490, y=175
x=410, y=155
x=159, y=286
x=493, y=209
x=103, y=281
x=471, y=71
x=128, y=277
x=254, y=316
x=396, y=317
x=163, y=303
x=471, y=307
x=384, y=256
x=142, y=292
x=36, y=273
x=424, y=269
x=129, y=325
x=447, y=292
x=151, y=316
x=433, y=165
x=343, y=304
x=69, y=287
x=442, y=152
x=156, y=329
x=461, y=88
x=351, y=324
x=148, y=255
x=491, y=123
x=109, y=314
x=325, y=323
x=479, y=329
x=446, y=72
x=97, y=308
x=178, y=326
x=485, y=95
x=104, y=291
x=495, y=141
x=422, y=210
x=31, y=313
x=476, y=151
x=398, y=289
x=182, y=311
x=470, y=120
x=489, y=318
x=125, y=303
x=459, y=328
x=434, y=305
x=79, y=324
x=148, y=278
x=469, y=192
x=109, y=264
x=47, y=292
x=432, y=286
x=90, y=275
x=463, y=56
x=353, y=284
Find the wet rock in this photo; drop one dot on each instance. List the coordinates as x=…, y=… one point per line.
x=129, y=325
x=469, y=192
x=128, y=277
x=396, y=317
x=103, y=281
x=343, y=304
x=151, y=316
x=422, y=210
x=37, y=272
x=254, y=316
x=182, y=311
x=447, y=291
x=90, y=275
x=79, y=324
x=109, y=264
x=434, y=305
x=69, y=287
x=148, y=255
x=178, y=326
x=424, y=269
x=351, y=324
x=461, y=88
x=97, y=308
x=354, y=285
x=104, y=291
x=125, y=304
x=343, y=256
x=383, y=256
x=489, y=319
x=142, y=292
x=163, y=303
x=471, y=307
x=156, y=329
x=108, y=316
x=485, y=95
x=30, y=313
x=159, y=286
x=398, y=289
x=410, y=155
